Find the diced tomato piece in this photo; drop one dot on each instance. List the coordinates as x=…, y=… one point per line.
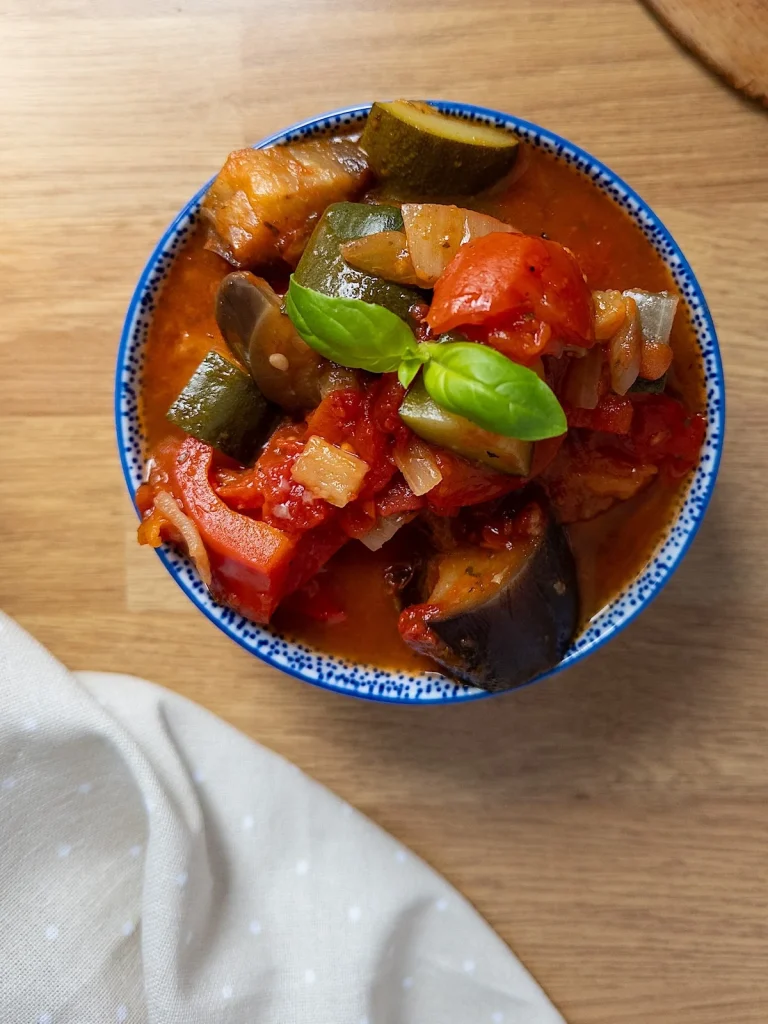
x=359, y=517
x=389, y=395
x=250, y=560
x=372, y=440
x=467, y=483
x=268, y=487
x=413, y=626
x=365, y=420
x=335, y=417
x=312, y=551
x=522, y=340
x=612, y=415
x=587, y=479
x=663, y=431
x=398, y=497
x=545, y=452
x=507, y=275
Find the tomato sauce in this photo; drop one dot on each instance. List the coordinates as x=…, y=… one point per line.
x=548, y=197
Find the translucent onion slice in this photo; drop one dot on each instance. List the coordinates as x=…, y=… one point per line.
x=385, y=530
x=383, y=254
x=435, y=233
x=625, y=351
x=167, y=504
x=582, y=387
x=419, y=467
x=656, y=311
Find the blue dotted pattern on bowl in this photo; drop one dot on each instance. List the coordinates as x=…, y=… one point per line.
x=366, y=681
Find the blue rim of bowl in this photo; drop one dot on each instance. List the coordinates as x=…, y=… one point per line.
x=382, y=681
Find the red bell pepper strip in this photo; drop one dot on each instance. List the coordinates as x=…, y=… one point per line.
x=250, y=560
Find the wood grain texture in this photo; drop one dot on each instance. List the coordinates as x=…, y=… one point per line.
x=612, y=824
x=731, y=36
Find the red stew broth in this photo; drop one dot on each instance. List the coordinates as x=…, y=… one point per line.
x=550, y=197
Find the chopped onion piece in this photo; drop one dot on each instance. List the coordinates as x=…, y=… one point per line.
x=656, y=311
x=582, y=386
x=610, y=312
x=385, y=530
x=168, y=506
x=625, y=351
x=384, y=254
x=419, y=467
x=435, y=233
x=328, y=472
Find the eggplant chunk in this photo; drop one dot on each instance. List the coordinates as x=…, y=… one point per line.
x=496, y=619
x=250, y=317
x=263, y=203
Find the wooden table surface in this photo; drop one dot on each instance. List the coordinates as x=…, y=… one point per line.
x=612, y=824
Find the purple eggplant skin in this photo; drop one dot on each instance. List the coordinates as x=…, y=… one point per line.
x=522, y=630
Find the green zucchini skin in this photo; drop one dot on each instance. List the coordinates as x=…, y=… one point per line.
x=323, y=268
x=649, y=387
x=425, y=418
x=222, y=406
x=428, y=158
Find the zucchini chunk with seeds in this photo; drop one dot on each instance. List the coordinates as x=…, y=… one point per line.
x=412, y=145
x=222, y=406
x=447, y=430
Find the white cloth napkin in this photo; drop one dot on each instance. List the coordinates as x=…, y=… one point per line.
x=158, y=867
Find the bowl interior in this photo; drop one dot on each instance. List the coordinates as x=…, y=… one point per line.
x=322, y=669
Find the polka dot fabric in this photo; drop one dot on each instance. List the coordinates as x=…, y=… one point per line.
x=207, y=880
x=314, y=666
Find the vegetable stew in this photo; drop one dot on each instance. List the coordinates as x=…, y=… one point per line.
x=412, y=418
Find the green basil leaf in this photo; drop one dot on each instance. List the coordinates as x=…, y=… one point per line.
x=408, y=369
x=351, y=332
x=483, y=386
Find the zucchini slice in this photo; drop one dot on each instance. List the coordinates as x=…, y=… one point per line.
x=222, y=406
x=323, y=268
x=430, y=422
x=414, y=146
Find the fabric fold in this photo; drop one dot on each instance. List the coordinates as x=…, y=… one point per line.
x=158, y=867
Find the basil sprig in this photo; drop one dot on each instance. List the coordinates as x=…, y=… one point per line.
x=464, y=378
